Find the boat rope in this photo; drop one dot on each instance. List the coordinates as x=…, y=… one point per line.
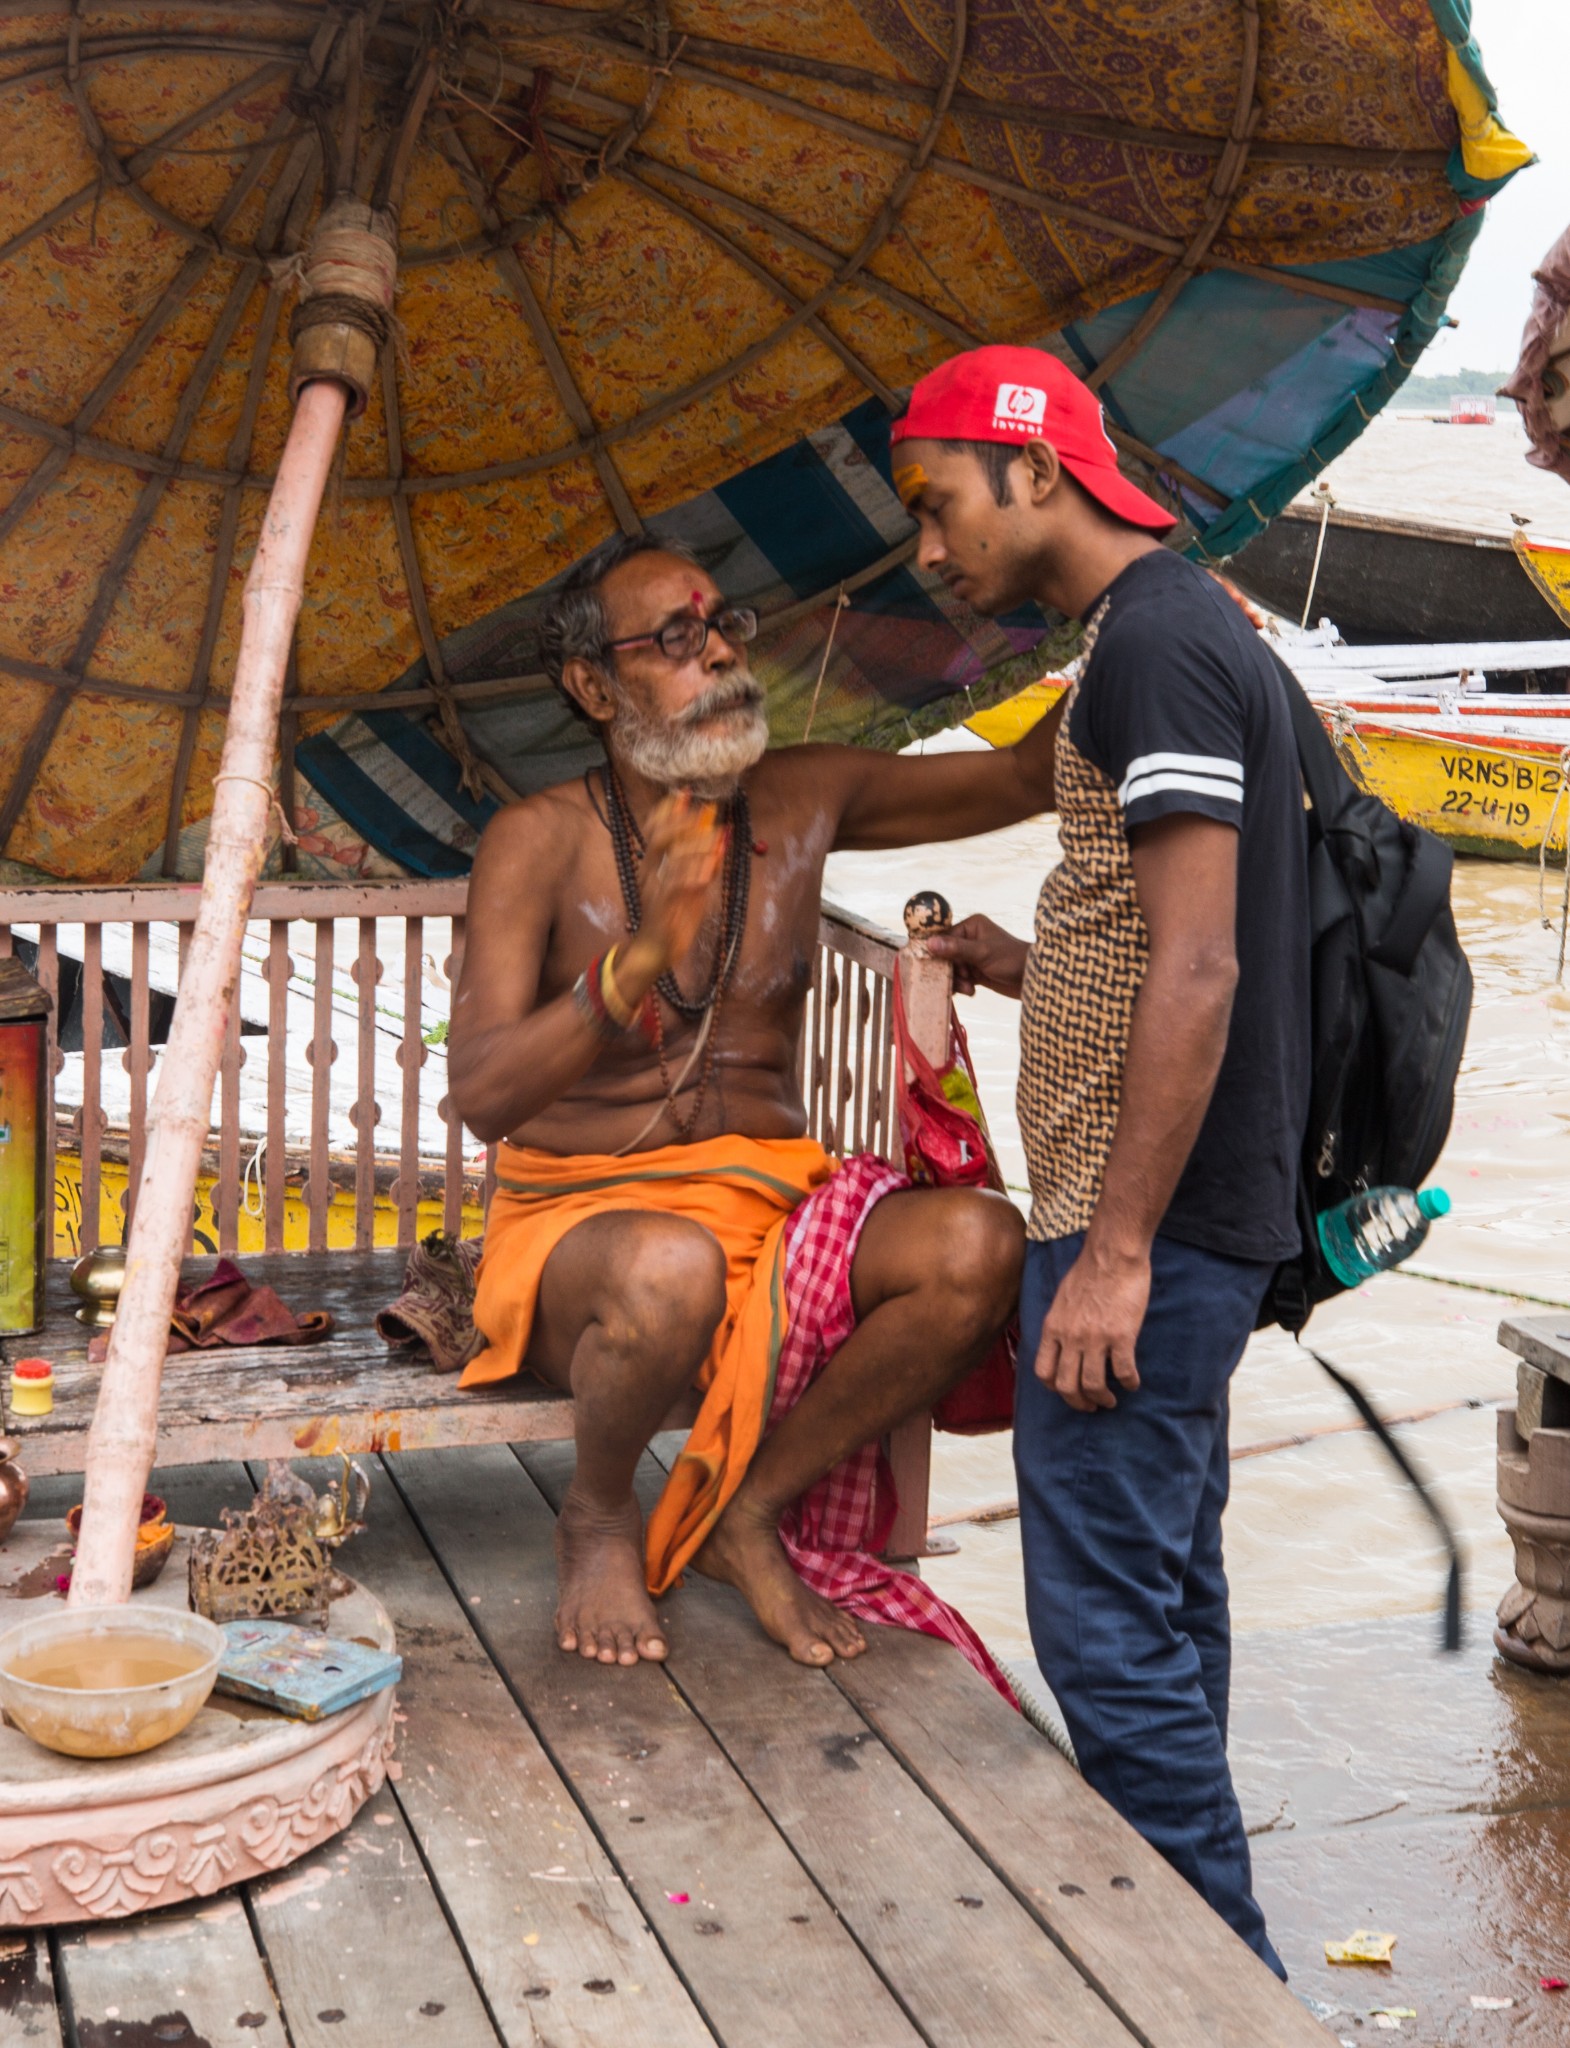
x=253, y=1173
x=1323, y=493
x=1477, y=1287
x=1542, y=864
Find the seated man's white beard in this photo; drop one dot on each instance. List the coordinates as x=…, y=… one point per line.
x=673, y=755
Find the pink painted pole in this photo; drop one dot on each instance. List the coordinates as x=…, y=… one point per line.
x=124, y=1436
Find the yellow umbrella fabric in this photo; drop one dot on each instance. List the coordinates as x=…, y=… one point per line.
x=643, y=250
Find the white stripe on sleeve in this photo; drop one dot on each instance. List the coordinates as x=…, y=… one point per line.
x=1201, y=785
x=1209, y=765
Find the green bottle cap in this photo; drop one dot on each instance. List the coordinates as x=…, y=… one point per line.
x=1434, y=1202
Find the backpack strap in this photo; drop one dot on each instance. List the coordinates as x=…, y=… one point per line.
x=1330, y=789
x=1424, y=895
x=1426, y=888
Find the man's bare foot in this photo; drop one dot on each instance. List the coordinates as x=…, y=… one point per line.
x=744, y=1550
x=603, y=1609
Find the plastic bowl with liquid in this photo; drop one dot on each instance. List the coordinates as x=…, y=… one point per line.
x=108, y=1681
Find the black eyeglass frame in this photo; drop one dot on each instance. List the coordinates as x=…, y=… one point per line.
x=675, y=638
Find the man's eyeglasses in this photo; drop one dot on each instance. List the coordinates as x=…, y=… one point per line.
x=683, y=638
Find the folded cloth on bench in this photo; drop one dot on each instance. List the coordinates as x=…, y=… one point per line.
x=226, y=1308
x=788, y=1220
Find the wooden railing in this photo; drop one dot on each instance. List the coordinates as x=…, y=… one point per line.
x=338, y=1032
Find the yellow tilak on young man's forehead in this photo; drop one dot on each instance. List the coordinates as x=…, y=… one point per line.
x=910, y=480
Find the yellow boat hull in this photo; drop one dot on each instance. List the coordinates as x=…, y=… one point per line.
x=114, y=1178
x=1489, y=797
x=1007, y=723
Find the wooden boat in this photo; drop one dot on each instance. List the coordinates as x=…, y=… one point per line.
x=1398, y=579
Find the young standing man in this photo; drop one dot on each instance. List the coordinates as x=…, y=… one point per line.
x=1163, y=1079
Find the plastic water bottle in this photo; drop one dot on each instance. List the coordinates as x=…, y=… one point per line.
x=1377, y=1230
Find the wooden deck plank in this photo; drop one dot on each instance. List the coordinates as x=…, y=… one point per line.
x=137, y=1982
x=762, y=1953
x=28, y=2013
x=913, y=1892
x=359, y=1949
x=1176, y=1972
x=489, y=1810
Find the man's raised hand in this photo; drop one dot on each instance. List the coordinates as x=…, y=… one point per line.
x=685, y=846
x=984, y=956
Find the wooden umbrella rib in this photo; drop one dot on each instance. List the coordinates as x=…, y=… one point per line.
x=1224, y=187
x=1025, y=195
x=1305, y=287
x=152, y=491
x=754, y=269
x=180, y=428
x=298, y=174
x=511, y=271
x=175, y=294
x=394, y=172
x=453, y=734
x=793, y=238
x=1093, y=127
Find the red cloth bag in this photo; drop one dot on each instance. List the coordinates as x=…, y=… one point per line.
x=943, y=1135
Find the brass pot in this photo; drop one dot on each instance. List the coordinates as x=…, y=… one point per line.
x=13, y=1486
x=97, y=1279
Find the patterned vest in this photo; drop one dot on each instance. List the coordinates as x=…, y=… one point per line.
x=1081, y=977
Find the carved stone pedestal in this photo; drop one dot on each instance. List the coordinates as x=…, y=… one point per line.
x=1534, y=1504
x=239, y=1794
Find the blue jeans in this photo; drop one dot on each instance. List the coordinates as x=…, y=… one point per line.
x=1124, y=1583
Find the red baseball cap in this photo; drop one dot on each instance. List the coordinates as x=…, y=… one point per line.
x=1018, y=395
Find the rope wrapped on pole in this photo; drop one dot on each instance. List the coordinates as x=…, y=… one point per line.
x=347, y=282
x=348, y=276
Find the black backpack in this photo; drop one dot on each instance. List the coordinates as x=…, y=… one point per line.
x=1391, y=993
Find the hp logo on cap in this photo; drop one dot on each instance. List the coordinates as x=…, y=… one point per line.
x=1019, y=407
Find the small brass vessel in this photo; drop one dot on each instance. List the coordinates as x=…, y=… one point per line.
x=13, y=1486
x=96, y=1279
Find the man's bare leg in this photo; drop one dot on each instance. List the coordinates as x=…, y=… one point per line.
x=628, y=1305
x=936, y=1276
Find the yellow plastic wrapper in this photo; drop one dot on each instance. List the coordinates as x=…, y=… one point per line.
x=1361, y=1946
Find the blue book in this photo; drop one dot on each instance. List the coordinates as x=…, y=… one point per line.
x=299, y=1671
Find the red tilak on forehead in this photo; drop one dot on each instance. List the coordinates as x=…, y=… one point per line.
x=697, y=600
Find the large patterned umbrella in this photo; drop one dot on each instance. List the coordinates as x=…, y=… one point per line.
x=666, y=262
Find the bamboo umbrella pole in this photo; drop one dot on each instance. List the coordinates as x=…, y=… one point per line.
x=123, y=1439
x=347, y=281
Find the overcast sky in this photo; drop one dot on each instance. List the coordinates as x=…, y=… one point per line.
x=1526, y=50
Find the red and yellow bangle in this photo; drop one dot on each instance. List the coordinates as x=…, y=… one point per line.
x=602, y=1005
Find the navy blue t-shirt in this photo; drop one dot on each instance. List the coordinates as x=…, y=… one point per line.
x=1179, y=708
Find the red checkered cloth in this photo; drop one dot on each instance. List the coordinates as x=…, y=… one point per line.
x=833, y=1532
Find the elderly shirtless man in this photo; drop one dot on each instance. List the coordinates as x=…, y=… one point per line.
x=640, y=945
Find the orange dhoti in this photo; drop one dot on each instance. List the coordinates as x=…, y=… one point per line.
x=743, y=1190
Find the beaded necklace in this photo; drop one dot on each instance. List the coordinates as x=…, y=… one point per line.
x=629, y=847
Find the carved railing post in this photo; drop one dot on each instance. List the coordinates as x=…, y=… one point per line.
x=927, y=989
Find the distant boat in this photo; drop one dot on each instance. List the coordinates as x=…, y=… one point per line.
x=1471, y=410
x=1398, y=579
